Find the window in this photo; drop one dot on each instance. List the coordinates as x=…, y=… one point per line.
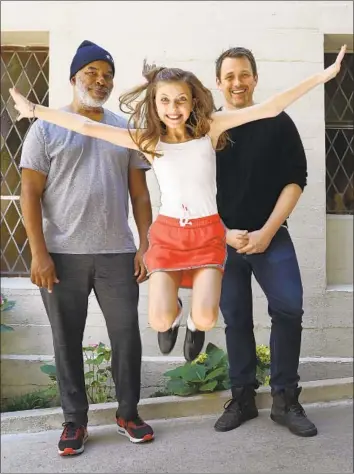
x=339, y=165
x=339, y=138
x=27, y=68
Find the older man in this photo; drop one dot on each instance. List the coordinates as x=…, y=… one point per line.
x=74, y=200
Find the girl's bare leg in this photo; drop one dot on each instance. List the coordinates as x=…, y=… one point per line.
x=163, y=294
x=206, y=297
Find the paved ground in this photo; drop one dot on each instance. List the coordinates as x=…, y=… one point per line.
x=191, y=445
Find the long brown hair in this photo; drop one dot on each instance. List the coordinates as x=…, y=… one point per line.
x=143, y=113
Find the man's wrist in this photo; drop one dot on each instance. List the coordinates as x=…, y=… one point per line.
x=144, y=245
x=40, y=252
x=38, y=246
x=269, y=230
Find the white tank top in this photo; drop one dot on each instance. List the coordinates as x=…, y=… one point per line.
x=186, y=174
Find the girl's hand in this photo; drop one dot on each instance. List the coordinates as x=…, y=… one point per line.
x=237, y=238
x=22, y=105
x=331, y=72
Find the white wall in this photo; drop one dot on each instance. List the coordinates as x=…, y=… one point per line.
x=287, y=39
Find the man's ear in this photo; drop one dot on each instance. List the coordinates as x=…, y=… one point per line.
x=73, y=81
x=218, y=83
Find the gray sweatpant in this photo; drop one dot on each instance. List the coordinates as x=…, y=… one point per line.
x=111, y=276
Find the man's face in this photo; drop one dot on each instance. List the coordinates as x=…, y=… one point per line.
x=237, y=82
x=93, y=84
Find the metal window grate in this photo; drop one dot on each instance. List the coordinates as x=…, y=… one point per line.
x=339, y=138
x=28, y=70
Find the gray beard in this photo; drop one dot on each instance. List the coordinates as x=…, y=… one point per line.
x=86, y=101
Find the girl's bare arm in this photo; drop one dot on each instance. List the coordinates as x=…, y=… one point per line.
x=75, y=122
x=225, y=120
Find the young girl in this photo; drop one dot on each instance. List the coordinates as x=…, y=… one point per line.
x=177, y=130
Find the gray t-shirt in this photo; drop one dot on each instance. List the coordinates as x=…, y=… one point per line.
x=85, y=203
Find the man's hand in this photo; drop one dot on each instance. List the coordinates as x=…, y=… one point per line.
x=237, y=238
x=258, y=242
x=139, y=267
x=43, y=272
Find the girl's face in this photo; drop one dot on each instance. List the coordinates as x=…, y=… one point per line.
x=174, y=103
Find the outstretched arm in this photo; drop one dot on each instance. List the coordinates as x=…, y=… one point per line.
x=275, y=105
x=75, y=122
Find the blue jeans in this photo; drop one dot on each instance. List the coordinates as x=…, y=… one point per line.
x=277, y=272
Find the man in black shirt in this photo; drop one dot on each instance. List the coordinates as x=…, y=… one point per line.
x=260, y=177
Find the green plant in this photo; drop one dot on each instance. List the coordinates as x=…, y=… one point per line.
x=99, y=382
x=51, y=371
x=46, y=398
x=98, y=376
x=159, y=393
x=207, y=373
x=6, y=305
x=263, y=364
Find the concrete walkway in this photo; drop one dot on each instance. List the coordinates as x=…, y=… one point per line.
x=190, y=445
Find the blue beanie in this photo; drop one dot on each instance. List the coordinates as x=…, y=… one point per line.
x=87, y=53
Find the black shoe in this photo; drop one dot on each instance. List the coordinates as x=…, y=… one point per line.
x=167, y=340
x=240, y=408
x=72, y=439
x=287, y=411
x=193, y=344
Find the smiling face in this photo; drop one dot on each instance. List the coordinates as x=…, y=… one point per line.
x=237, y=82
x=93, y=84
x=174, y=103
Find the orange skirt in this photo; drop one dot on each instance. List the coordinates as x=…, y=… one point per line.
x=173, y=247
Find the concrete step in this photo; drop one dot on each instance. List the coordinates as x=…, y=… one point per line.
x=29, y=340
x=21, y=376
x=321, y=311
x=171, y=407
x=327, y=330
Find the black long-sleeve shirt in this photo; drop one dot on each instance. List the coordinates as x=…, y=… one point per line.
x=264, y=157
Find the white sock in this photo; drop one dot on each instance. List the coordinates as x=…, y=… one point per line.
x=190, y=323
x=178, y=319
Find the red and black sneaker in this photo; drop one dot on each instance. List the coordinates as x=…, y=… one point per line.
x=72, y=439
x=136, y=430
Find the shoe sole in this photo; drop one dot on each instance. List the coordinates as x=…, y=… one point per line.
x=73, y=452
x=145, y=439
x=224, y=430
x=303, y=434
